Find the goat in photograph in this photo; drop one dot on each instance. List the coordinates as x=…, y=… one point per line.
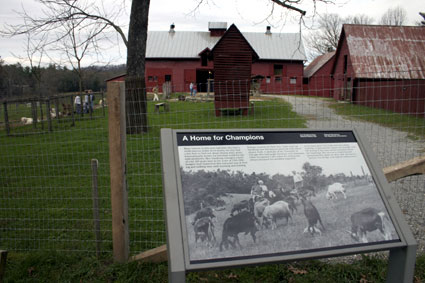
x=291, y=203
x=238, y=207
x=257, y=209
x=368, y=220
x=277, y=210
x=203, y=212
x=313, y=217
x=334, y=189
x=204, y=229
x=243, y=222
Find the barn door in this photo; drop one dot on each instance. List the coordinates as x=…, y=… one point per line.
x=348, y=86
x=189, y=76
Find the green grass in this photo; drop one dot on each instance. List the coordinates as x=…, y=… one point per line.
x=60, y=267
x=45, y=178
x=45, y=202
x=415, y=126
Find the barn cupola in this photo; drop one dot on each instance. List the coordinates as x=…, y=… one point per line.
x=172, y=26
x=217, y=28
x=269, y=30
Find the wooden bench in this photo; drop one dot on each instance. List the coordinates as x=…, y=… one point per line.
x=3, y=258
x=164, y=105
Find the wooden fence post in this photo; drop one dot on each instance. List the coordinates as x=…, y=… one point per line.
x=72, y=110
x=6, y=119
x=49, y=118
x=117, y=163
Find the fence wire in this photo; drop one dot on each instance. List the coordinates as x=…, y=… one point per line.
x=46, y=176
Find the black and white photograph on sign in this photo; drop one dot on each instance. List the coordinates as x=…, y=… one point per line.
x=250, y=200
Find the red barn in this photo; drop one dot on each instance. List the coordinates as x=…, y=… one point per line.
x=182, y=57
x=317, y=78
x=233, y=57
x=381, y=67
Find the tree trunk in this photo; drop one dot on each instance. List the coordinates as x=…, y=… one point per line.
x=136, y=106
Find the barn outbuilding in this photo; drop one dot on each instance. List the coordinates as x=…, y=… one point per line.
x=381, y=67
x=317, y=79
x=233, y=57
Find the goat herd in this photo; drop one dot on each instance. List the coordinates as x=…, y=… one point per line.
x=250, y=215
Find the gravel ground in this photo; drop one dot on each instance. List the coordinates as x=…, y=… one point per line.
x=390, y=146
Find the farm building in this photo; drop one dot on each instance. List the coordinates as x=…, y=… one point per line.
x=317, y=78
x=182, y=57
x=232, y=57
x=381, y=67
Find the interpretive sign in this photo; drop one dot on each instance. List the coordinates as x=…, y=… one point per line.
x=240, y=197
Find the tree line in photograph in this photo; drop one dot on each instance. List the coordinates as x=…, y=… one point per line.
x=207, y=187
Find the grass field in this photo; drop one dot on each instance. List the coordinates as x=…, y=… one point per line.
x=402, y=122
x=45, y=178
x=46, y=205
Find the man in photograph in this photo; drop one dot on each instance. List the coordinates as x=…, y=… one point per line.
x=298, y=180
x=259, y=190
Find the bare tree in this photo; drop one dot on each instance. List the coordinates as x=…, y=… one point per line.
x=422, y=23
x=394, y=17
x=359, y=19
x=79, y=42
x=326, y=37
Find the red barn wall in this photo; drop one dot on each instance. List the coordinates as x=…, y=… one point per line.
x=320, y=84
x=280, y=84
x=182, y=72
x=402, y=96
x=341, y=81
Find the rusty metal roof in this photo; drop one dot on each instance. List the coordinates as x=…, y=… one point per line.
x=395, y=52
x=318, y=63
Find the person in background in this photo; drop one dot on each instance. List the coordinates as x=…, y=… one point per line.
x=86, y=103
x=191, y=88
x=77, y=103
x=91, y=101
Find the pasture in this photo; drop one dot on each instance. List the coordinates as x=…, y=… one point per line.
x=46, y=178
x=290, y=237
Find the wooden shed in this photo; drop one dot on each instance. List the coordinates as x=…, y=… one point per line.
x=233, y=57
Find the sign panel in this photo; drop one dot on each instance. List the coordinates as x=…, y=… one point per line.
x=261, y=196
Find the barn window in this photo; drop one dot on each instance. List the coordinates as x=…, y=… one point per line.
x=168, y=78
x=155, y=78
x=267, y=80
x=278, y=70
x=204, y=60
x=293, y=80
x=305, y=81
x=278, y=79
x=150, y=79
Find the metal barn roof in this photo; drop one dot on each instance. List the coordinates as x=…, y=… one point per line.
x=317, y=63
x=386, y=51
x=187, y=44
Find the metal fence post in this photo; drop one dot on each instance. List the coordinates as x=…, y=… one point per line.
x=117, y=161
x=95, y=196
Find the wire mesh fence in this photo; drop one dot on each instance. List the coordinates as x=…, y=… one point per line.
x=46, y=200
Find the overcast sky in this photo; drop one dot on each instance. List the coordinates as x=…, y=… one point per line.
x=248, y=15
